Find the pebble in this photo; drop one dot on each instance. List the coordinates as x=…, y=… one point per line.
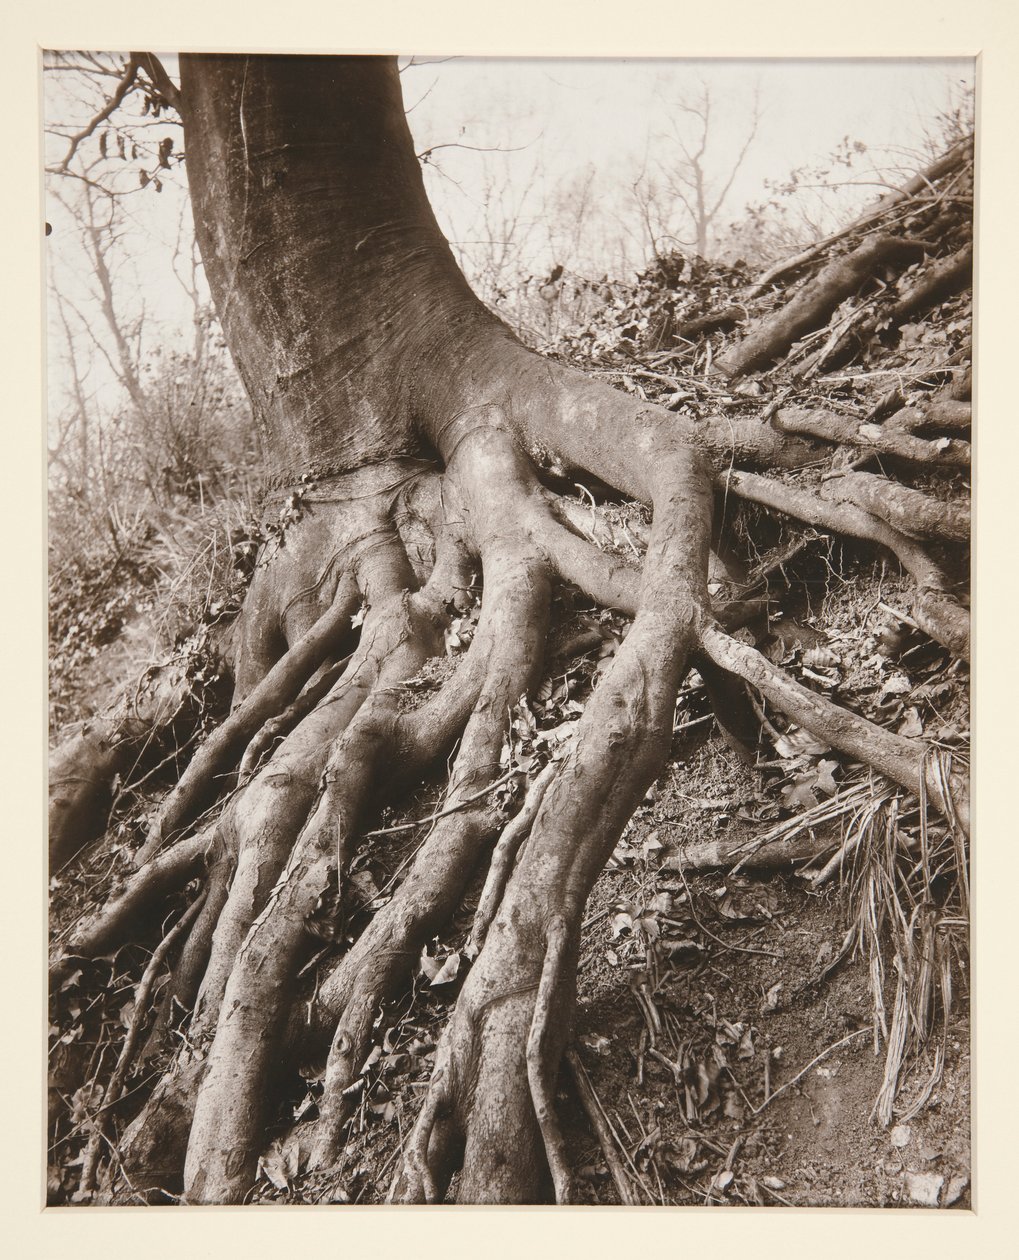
x=924, y=1188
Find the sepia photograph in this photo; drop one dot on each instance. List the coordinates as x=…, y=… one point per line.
x=508, y=561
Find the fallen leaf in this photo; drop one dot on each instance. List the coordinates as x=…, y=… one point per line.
x=797, y=742
x=623, y=917
x=825, y=782
x=387, y=1110
x=273, y=1167
x=648, y=924
x=651, y=842
x=733, y=1109
x=363, y=883
x=683, y=1156
x=449, y=970
x=820, y=658
x=896, y=685
x=799, y=794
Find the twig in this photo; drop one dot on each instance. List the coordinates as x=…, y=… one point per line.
x=593, y=1110
x=452, y=809
x=817, y=1059
x=127, y=79
x=685, y=726
x=740, y=949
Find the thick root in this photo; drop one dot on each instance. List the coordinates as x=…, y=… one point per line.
x=286, y=838
x=902, y=760
x=909, y=511
x=881, y=439
x=509, y=640
x=814, y=304
x=222, y=750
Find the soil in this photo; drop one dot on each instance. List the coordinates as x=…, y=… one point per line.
x=762, y=1020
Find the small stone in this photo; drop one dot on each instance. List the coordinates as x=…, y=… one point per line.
x=924, y=1188
x=900, y=1136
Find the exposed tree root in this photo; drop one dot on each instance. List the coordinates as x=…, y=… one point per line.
x=120, y=915
x=224, y=747
x=540, y=1075
x=942, y=280
x=514, y=835
x=935, y=610
x=492, y=1092
x=814, y=303
x=921, y=183
x=909, y=511
x=883, y=439
x=900, y=759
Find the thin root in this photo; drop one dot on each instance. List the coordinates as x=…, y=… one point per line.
x=538, y=1074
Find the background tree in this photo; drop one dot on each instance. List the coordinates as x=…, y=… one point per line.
x=681, y=203
x=420, y=467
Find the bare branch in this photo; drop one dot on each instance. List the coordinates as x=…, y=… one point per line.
x=127, y=81
x=158, y=77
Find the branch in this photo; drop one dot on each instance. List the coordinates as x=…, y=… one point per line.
x=751, y=136
x=125, y=85
x=756, y=1111
x=158, y=77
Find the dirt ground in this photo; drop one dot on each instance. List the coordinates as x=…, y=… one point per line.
x=783, y=1068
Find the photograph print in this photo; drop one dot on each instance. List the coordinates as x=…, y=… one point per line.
x=508, y=559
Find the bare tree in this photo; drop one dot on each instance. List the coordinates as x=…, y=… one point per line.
x=681, y=202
